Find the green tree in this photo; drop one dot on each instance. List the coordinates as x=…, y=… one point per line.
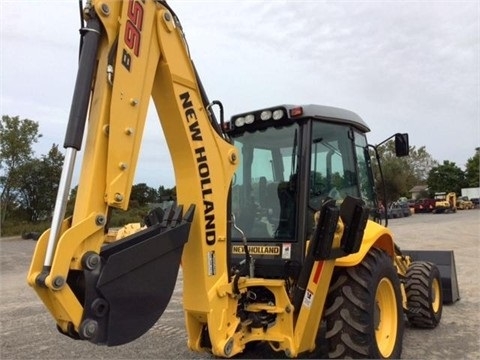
x=38, y=184
x=71, y=201
x=16, y=139
x=421, y=163
x=447, y=177
x=142, y=194
x=402, y=174
x=166, y=194
x=472, y=172
x=397, y=174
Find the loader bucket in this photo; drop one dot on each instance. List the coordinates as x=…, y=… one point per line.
x=445, y=262
x=129, y=291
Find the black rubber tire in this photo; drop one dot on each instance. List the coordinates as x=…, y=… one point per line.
x=424, y=294
x=26, y=235
x=355, y=308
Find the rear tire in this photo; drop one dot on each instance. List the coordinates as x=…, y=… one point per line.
x=364, y=314
x=424, y=294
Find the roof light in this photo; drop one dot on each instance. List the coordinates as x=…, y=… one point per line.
x=296, y=111
x=266, y=115
x=277, y=114
x=249, y=119
x=240, y=121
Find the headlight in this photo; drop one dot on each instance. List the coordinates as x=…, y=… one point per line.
x=240, y=121
x=266, y=115
x=278, y=114
x=249, y=118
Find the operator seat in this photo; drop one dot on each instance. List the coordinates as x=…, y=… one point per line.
x=286, y=195
x=272, y=202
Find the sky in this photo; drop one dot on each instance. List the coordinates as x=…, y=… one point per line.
x=403, y=66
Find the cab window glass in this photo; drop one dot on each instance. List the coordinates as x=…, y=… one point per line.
x=263, y=192
x=332, y=168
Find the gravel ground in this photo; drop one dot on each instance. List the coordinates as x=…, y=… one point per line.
x=28, y=331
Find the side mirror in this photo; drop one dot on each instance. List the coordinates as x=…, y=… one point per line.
x=401, y=144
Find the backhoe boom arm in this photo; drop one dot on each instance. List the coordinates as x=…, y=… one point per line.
x=133, y=51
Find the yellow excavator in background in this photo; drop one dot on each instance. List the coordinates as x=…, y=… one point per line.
x=280, y=233
x=445, y=202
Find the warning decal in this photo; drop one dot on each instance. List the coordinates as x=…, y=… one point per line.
x=308, y=298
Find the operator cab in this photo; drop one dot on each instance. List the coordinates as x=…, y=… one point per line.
x=292, y=158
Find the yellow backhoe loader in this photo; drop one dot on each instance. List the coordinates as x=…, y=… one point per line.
x=276, y=229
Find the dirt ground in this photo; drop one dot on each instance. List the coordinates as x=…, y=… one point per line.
x=27, y=331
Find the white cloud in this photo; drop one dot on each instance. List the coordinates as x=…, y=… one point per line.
x=410, y=66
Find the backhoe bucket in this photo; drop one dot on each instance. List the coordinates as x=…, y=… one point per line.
x=128, y=292
x=445, y=262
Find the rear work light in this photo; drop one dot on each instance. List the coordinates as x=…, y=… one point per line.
x=259, y=119
x=296, y=111
x=249, y=119
x=266, y=115
x=278, y=114
x=240, y=121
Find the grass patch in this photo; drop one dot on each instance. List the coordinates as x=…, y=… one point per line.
x=17, y=228
x=118, y=218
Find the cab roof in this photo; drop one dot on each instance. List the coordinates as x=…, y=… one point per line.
x=333, y=114
x=323, y=112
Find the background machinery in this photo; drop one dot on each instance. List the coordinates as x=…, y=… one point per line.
x=464, y=203
x=279, y=235
x=445, y=202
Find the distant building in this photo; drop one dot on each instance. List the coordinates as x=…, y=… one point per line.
x=417, y=190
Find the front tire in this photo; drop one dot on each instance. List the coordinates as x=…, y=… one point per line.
x=364, y=314
x=424, y=294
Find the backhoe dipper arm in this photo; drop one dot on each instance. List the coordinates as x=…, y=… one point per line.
x=113, y=293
